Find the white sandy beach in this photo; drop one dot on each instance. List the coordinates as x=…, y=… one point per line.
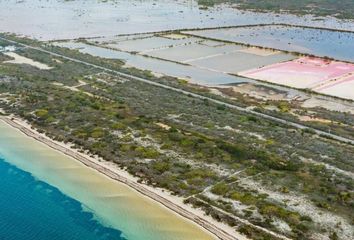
x=111, y=170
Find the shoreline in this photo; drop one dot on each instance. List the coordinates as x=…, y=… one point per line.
x=173, y=203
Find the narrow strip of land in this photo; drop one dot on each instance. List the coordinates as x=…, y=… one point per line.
x=191, y=94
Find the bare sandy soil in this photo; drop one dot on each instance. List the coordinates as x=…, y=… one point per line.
x=18, y=59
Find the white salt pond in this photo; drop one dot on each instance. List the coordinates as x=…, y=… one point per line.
x=195, y=51
x=235, y=62
x=149, y=44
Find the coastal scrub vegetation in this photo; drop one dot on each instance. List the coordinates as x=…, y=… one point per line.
x=229, y=163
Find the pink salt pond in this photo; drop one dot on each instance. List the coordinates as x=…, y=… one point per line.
x=306, y=72
x=342, y=87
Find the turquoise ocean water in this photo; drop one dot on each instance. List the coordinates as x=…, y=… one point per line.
x=46, y=195
x=32, y=209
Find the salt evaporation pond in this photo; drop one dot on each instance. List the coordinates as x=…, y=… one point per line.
x=319, y=42
x=194, y=74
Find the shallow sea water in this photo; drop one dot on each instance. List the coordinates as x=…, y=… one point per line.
x=45, y=193
x=60, y=19
x=32, y=209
